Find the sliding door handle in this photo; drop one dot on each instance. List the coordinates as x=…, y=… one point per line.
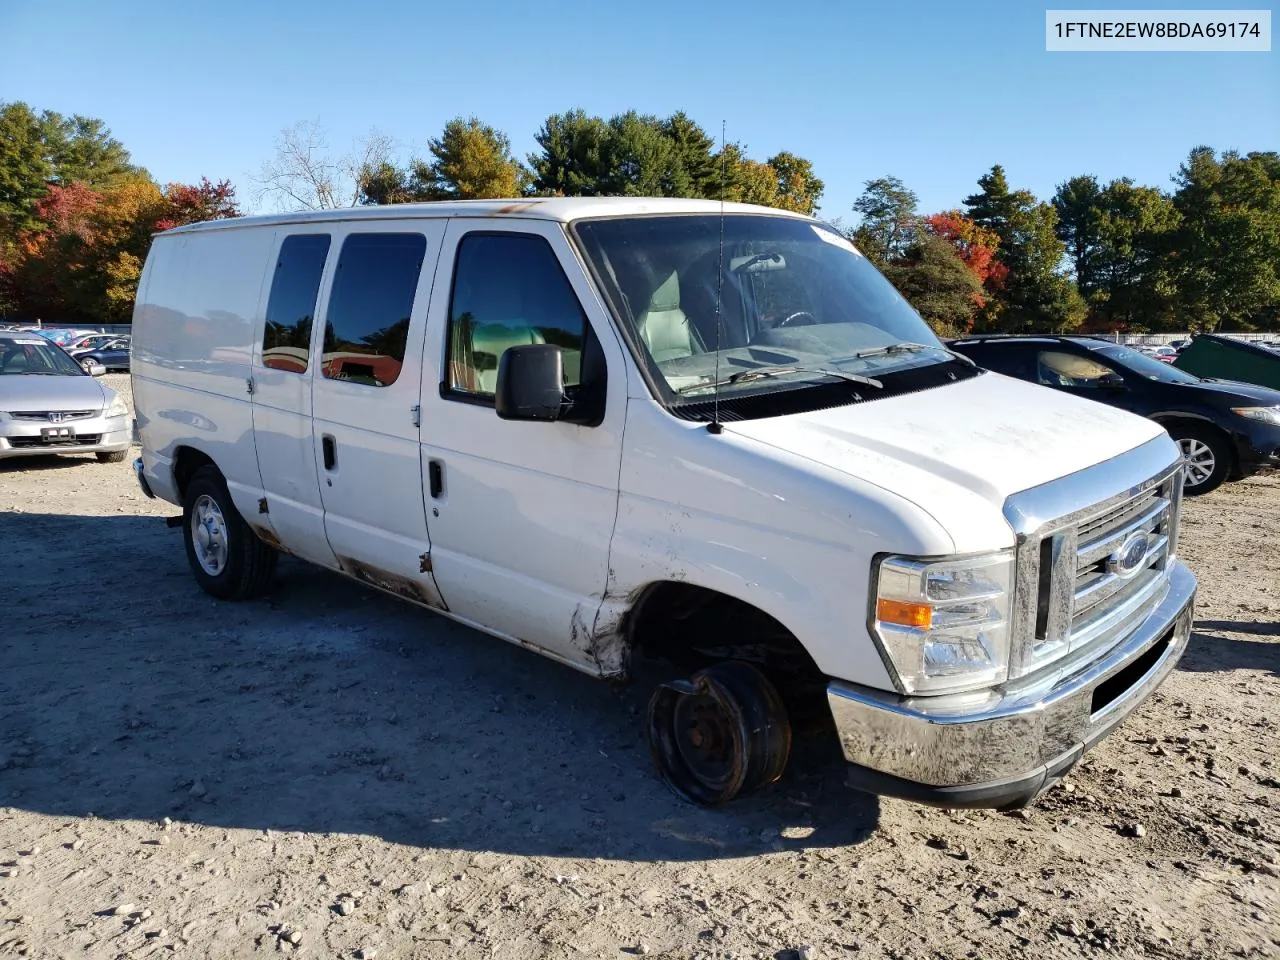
x=330, y=450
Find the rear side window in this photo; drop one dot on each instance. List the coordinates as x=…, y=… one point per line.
x=369, y=309
x=1011, y=359
x=509, y=290
x=286, y=337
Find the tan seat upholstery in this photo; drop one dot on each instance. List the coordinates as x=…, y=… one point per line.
x=663, y=327
x=489, y=342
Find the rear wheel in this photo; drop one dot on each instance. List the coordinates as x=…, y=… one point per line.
x=719, y=734
x=115, y=456
x=226, y=556
x=1207, y=456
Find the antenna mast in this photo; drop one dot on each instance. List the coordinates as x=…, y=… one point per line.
x=714, y=425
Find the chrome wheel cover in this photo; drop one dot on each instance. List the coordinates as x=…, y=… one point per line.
x=209, y=535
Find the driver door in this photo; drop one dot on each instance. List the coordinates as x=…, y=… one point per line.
x=521, y=513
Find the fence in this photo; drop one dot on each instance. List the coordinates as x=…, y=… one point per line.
x=1160, y=339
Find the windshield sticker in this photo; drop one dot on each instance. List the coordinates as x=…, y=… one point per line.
x=833, y=238
x=31, y=343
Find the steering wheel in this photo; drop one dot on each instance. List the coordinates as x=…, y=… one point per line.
x=795, y=319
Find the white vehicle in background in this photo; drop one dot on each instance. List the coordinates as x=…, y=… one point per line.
x=713, y=434
x=50, y=405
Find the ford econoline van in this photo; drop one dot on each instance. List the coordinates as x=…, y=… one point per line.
x=709, y=434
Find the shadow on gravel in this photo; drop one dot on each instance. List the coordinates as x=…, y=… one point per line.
x=1211, y=652
x=17, y=464
x=128, y=692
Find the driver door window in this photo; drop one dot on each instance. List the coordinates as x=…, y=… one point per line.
x=508, y=290
x=1056, y=368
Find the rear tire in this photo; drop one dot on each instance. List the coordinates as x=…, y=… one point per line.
x=115, y=456
x=722, y=733
x=226, y=556
x=1207, y=455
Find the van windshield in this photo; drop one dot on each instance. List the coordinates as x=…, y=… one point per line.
x=797, y=303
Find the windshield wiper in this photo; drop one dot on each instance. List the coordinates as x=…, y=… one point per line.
x=906, y=347
x=760, y=373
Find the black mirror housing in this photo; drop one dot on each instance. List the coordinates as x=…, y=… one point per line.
x=531, y=383
x=1112, y=381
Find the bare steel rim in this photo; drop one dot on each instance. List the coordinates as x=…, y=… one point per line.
x=721, y=733
x=209, y=535
x=1199, y=458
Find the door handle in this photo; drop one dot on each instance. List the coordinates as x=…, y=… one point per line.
x=330, y=450
x=435, y=478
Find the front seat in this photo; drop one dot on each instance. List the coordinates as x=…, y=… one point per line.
x=663, y=326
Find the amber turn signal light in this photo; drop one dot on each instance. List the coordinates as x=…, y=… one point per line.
x=919, y=615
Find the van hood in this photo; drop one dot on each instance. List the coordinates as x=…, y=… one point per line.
x=36, y=392
x=960, y=450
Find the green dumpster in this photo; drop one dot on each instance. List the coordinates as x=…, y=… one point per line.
x=1223, y=358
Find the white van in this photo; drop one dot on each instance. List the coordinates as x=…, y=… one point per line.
x=711, y=434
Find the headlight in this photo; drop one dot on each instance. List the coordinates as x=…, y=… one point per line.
x=944, y=624
x=1265, y=414
x=117, y=407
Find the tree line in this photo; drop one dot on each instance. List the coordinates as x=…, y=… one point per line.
x=630, y=154
x=1094, y=257
x=76, y=216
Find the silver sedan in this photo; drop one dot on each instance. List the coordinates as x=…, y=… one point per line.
x=49, y=404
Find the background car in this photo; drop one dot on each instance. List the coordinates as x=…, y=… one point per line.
x=91, y=341
x=113, y=354
x=1227, y=430
x=62, y=336
x=48, y=404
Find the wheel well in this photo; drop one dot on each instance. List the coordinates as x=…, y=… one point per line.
x=185, y=465
x=693, y=626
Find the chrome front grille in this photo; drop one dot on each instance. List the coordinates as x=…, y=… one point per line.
x=1106, y=601
x=1087, y=579
x=53, y=416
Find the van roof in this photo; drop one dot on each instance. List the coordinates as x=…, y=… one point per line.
x=562, y=209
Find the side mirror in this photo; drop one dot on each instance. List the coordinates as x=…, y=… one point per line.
x=1112, y=381
x=95, y=369
x=531, y=383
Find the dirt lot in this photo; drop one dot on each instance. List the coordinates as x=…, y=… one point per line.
x=330, y=771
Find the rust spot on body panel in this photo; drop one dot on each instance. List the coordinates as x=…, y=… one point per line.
x=270, y=539
x=405, y=587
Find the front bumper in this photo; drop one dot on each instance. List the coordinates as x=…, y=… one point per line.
x=1257, y=448
x=22, y=438
x=1003, y=750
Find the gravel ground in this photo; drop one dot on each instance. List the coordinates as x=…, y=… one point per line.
x=332, y=773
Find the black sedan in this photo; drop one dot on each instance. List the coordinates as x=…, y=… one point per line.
x=114, y=355
x=1227, y=430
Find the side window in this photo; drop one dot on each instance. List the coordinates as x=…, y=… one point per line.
x=1057, y=369
x=508, y=290
x=286, y=336
x=1010, y=359
x=369, y=309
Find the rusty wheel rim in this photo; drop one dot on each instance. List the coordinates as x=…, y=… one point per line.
x=704, y=737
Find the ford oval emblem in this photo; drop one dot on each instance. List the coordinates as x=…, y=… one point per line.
x=1127, y=560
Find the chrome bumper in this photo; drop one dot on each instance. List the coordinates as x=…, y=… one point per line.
x=142, y=479
x=1001, y=750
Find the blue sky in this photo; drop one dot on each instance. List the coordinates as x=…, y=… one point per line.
x=931, y=93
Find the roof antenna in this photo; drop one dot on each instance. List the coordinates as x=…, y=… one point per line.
x=714, y=425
